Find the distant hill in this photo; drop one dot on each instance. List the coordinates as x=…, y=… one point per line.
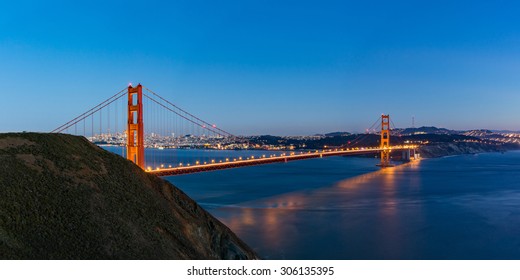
x=332, y=134
x=425, y=130
x=479, y=132
x=62, y=197
x=506, y=131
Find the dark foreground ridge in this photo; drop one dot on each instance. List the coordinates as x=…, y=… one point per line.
x=62, y=197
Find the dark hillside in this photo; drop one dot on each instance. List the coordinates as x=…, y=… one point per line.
x=62, y=197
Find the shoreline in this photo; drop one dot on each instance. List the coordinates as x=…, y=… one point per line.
x=458, y=148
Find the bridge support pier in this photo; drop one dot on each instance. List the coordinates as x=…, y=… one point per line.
x=406, y=155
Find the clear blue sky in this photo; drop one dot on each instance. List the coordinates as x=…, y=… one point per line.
x=266, y=67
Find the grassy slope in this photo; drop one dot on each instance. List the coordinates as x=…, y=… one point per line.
x=64, y=198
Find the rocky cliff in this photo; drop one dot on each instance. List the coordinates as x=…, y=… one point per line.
x=458, y=148
x=62, y=197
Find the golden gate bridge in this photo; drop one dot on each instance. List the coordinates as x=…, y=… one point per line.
x=120, y=120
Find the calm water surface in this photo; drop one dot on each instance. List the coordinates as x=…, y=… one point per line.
x=462, y=207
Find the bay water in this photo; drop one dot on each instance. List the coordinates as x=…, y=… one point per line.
x=460, y=207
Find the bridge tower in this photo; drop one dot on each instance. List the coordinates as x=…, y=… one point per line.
x=385, y=141
x=135, y=126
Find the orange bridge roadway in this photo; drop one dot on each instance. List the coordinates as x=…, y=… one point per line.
x=188, y=169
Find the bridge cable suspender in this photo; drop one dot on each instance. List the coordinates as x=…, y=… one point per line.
x=364, y=136
x=90, y=112
x=187, y=113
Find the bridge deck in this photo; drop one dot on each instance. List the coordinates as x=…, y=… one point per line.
x=266, y=160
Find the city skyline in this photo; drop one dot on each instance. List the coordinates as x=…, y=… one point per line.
x=292, y=68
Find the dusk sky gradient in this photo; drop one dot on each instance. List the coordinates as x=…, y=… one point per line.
x=266, y=67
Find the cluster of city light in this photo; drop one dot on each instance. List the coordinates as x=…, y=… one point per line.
x=264, y=157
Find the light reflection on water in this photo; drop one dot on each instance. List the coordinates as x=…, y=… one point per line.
x=315, y=218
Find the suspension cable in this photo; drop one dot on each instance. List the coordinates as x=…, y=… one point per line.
x=90, y=112
x=363, y=136
x=210, y=128
x=191, y=115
